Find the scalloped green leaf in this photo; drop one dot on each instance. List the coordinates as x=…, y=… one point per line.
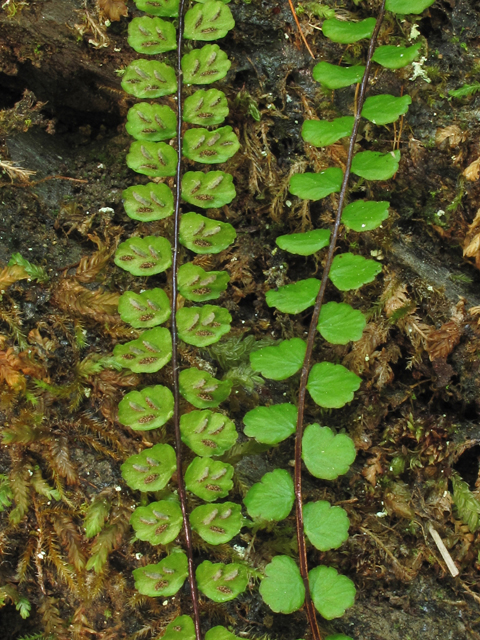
x=332, y=385
x=322, y=133
x=144, y=310
x=325, y=454
x=211, y=20
x=198, y=285
x=304, y=244
x=385, y=108
x=158, y=523
x=271, y=425
x=182, y=628
x=209, y=479
x=221, y=582
x=364, y=215
x=148, y=353
x=282, y=589
x=203, y=326
x=408, y=6
x=148, y=79
x=393, y=57
x=206, y=65
x=151, y=35
x=339, y=323
x=217, y=524
x=152, y=122
x=203, y=390
x=144, y=256
x=154, y=159
x=164, y=8
x=208, y=190
x=206, y=107
x=208, y=433
x=280, y=362
x=147, y=409
x=331, y=592
x=373, y=165
x=272, y=498
x=348, y=32
x=296, y=297
x=332, y=76
x=349, y=271
x=325, y=526
x=203, y=235
x=220, y=633
x=164, y=578
x=151, y=469
x=315, y=186
x=148, y=202
x=210, y=147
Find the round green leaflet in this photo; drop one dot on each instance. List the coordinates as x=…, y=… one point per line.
x=162, y=579
x=152, y=122
x=281, y=362
x=304, y=244
x=206, y=65
x=154, y=159
x=322, y=133
x=206, y=107
x=148, y=202
x=363, y=215
x=158, y=523
x=202, y=326
x=148, y=353
x=350, y=271
x=198, y=285
x=144, y=310
x=203, y=235
x=348, y=32
x=147, y=409
x=208, y=433
x=272, y=498
x=151, y=469
x=221, y=582
x=385, y=108
x=144, y=256
x=332, y=385
x=208, y=190
x=182, y=628
x=151, y=35
x=148, y=79
x=209, y=479
x=373, y=165
x=164, y=8
x=271, y=425
x=217, y=524
x=220, y=633
x=282, y=588
x=408, y=6
x=203, y=390
x=209, y=21
x=334, y=77
x=325, y=526
x=339, y=323
x=325, y=454
x=331, y=592
x=210, y=147
x=296, y=297
x=315, y=186
x=393, y=57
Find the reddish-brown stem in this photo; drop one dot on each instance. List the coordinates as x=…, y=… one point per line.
x=297, y=22
x=302, y=551
x=175, y=364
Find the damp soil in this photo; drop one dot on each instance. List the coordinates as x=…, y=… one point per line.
x=415, y=421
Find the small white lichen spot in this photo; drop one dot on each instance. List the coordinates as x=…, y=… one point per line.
x=419, y=71
x=414, y=32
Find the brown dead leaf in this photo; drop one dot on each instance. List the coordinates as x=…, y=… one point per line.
x=13, y=365
x=453, y=134
x=113, y=9
x=471, y=244
x=472, y=172
x=373, y=468
x=11, y=274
